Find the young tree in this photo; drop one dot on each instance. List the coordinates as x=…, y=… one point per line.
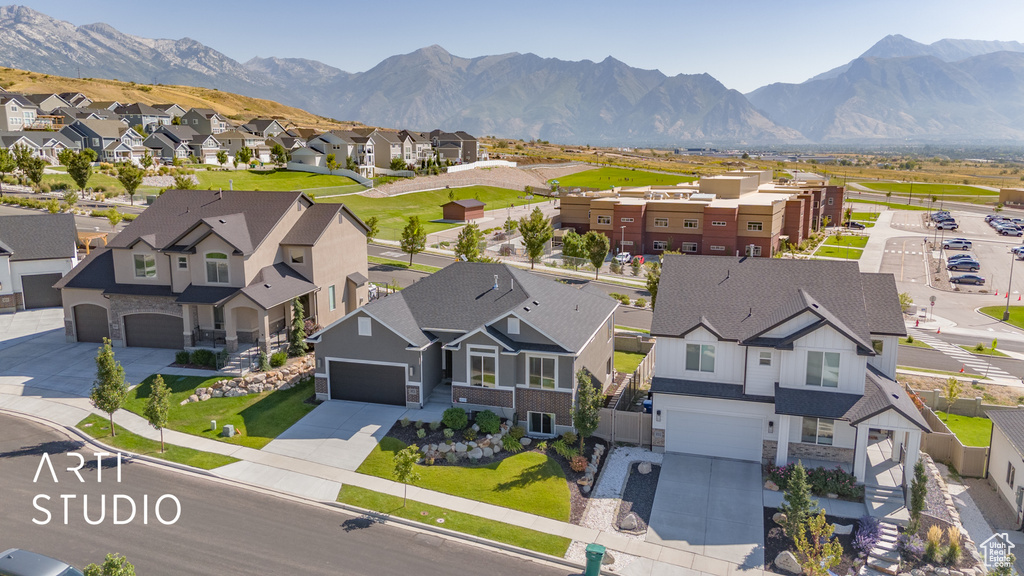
x=414, y=238
x=405, y=468
x=848, y=214
x=146, y=161
x=797, y=504
x=109, y=388
x=586, y=413
x=7, y=164
x=22, y=154
x=114, y=217
x=350, y=164
x=140, y=130
x=373, y=223
x=114, y=565
x=70, y=198
x=952, y=389
x=176, y=121
x=397, y=164
x=331, y=162
x=918, y=493
x=130, y=176
x=635, y=266
x=80, y=168
x=52, y=206
x=596, y=246
x=509, y=227
x=278, y=154
x=451, y=195
x=244, y=155
x=297, y=335
x=819, y=553
x=64, y=156
x=222, y=157
x=653, y=279
x=157, y=405
x=184, y=182
x=905, y=301
x=34, y=168
x=536, y=231
x=467, y=247
x=573, y=247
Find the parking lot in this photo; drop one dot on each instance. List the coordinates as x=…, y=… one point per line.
x=989, y=248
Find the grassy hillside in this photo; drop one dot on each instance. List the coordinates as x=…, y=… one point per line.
x=234, y=106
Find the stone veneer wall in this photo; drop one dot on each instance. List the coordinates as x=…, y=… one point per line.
x=412, y=394
x=11, y=302
x=482, y=396
x=658, y=437
x=124, y=305
x=769, y=448
x=550, y=401
x=320, y=385
x=819, y=452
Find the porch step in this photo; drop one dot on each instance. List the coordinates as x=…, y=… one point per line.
x=866, y=570
x=884, y=566
x=885, y=545
x=886, y=555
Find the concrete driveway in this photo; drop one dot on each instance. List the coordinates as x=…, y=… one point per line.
x=337, y=433
x=711, y=507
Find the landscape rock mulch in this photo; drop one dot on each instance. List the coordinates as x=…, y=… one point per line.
x=638, y=497
x=776, y=541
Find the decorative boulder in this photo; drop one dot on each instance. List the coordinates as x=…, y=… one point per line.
x=193, y=398
x=769, y=485
x=585, y=489
x=487, y=451
x=832, y=496
x=608, y=558
x=779, y=518
x=842, y=529
x=787, y=561
x=471, y=445
x=460, y=447
x=643, y=467
x=217, y=393
x=476, y=453
x=629, y=522
x=442, y=448
x=475, y=427
x=204, y=397
x=526, y=441
x=496, y=447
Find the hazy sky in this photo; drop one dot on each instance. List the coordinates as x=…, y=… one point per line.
x=744, y=44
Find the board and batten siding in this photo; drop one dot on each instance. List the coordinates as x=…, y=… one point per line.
x=761, y=379
x=671, y=359
x=1000, y=454
x=886, y=361
x=793, y=366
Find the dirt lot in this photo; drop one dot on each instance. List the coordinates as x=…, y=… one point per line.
x=990, y=393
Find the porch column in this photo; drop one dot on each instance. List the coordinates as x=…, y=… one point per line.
x=860, y=453
x=897, y=444
x=231, y=331
x=263, y=341
x=782, y=449
x=913, y=452
x=186, y=320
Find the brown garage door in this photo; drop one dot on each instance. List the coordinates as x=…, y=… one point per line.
x=39, y=292
x=91, y=323
x=153, y=331
x=367, y=383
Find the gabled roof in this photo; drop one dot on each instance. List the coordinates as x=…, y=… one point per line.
x=108, y=129
x=881, y=394
x=814, y=403
x=467, y=203
x=277, y=284
x=262, y=124
x=746, y=297
x=181, y=133
x=96, y=272
x=139, y=109
x=204, y=112
x=313, y=222
x=1011, y=422
x=38, y=236
x=885, y=316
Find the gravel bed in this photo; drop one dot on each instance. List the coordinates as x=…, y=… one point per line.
x=638, y=497
x=935, y=501
x=164, y=181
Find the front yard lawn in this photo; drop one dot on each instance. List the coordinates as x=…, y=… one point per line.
x=627, y=361
x=258, y=418
x=1016, y=314
x=864, y=216
x=402, y=265
x=529, y=481
x=99, y=428
x=285, y=180
x=458, y=521
x=847, y=240
x=985, y=351
x=969, y=430
x=915, y=343
x=839, y=252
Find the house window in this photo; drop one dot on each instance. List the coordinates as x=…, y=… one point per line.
x=754, y=226
x=662, y=222
x=332, y=301
x=217, y=268
x=688, y=247
x=365, y=326
x=95, y=141
x=700, y=357
x=878, y=345
x=830, y=201
x=753, y=250
x=145, y=266
x=691, y=223
x=218, y=317
x=818, y=431
x=718, y=223
x=625, y=220
x=815, y=203
x=182, y=262
x=611, y=329
x=1011, y=474
x=541, y=423
x=297, y=255
x=604, y=219
x=513, y=325
x=660, y=245
x=823, y=369
x=542, y=372
x=718, y=248
x=482, y=368
x=764, y=359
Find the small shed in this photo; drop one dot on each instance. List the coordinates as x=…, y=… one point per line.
x=463, y=210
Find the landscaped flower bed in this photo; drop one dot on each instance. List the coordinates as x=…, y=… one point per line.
x=823, y=481
x=777, y=541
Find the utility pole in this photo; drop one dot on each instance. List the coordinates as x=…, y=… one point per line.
x=1006, y=313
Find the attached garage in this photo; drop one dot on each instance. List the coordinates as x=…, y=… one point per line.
x=38, y=291
x=720, y=435
x=91, y=323
x=365, y=382
x=153, y=331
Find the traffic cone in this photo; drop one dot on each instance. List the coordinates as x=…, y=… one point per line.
x=938, y=330
x=961, y=368
x=1018, y=297
x=997, y=292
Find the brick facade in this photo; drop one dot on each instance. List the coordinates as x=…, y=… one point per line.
x=412, y=394
x=11, y=302
x=819, y=452
x=549, y=401
x=481, y=396
x=769, y=448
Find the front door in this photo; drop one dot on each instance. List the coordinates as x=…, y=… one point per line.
x=448, y=364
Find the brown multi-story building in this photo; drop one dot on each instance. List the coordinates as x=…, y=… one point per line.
x=742, y=212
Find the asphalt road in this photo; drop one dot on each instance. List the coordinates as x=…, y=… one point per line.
x=934, y=360
x=221, y=530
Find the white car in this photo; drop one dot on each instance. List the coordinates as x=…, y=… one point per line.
x=623, y=258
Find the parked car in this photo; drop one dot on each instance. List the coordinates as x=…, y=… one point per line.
x=855, y=225
x=638, y=259
x=1010, y=231
x=947, y=225
x=958, y=257
x=16, y=562
x=940, y=215
x=957, y=244
x=1017, y=250
x=623, y=258
x=964, y=265
x=968, y=279
x=991, y=217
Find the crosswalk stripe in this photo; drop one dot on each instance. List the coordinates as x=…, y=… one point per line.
x=957, y=353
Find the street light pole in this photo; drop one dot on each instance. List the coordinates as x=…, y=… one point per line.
x=1006, y=313
x=622, y=240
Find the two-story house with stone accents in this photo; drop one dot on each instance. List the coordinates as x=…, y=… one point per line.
x=209, y=267
x=483, y=336
x=774, y=360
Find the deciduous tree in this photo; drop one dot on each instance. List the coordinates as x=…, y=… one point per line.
x=586, y=413
x=536, y=231
x=819, y=552
x=130, y=176
x=373, y=223
x=243, y=155
x=467, y=247
x=34, y=168
x=109, y=389
x=114, y=565
x=405, y=468
x=331, y=161
x=597, y=246
x=157, y=405
x=222, y=157
x=80, y=167
x=279, y=155
x=414, y=238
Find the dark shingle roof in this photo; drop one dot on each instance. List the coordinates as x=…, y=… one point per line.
x=177, y=211
x=357, y=278
x=683, y=387
x=139, y=109
x=745, y=297
x=206, y=294
x=816, y=403
x=276, y=284
x=881, y=394
x=467, y=203
x=1011, y=422
x=311, y=224
x=884, y=314
x=39, y=237
x=96, y=272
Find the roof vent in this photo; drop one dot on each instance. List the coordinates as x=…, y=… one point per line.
x=495, y=287
x=222, y=221
x=814, y=306
x=266, y=285
x=896, y=396
x=535, y=303
x=527, y=308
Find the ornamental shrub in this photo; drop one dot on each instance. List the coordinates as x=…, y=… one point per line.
x=455, y=418
x=488, y=422
x=182, y=357
x=516, y=432
x=277, y=359
x=869, y=531
x=512, y=444
x=469, y=434
x=204, y=357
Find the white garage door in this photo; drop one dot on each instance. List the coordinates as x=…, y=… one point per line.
x=724, y=436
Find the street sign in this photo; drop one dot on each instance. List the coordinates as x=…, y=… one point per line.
x=932, y=300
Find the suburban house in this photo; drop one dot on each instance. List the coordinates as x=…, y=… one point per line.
x=36, y=251
x=265, y=127
x=776, y=360
x=112, y=140
x=459, y=147
x=235, y=140
x=205, y=121
x=218, y=268
x=16, y=112
x=480, y=336
x=202, y=146
x=165, y=149
x=344, y=144
x=47, y=103
x=109, y=105
x=1006, y=455
x=144, y=115
x=289, y=143
x=76, y=99
x=172, y=110
x=44, y=144
x=463, y=210
x=68, y=114
x=419, y=146
x=739, y=212
x=387, y=146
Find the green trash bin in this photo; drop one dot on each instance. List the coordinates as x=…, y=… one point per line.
x=595, y=554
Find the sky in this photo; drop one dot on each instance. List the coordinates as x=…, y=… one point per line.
x=744, y=44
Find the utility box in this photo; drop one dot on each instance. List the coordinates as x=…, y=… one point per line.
x=229, y=430
x=595, y=555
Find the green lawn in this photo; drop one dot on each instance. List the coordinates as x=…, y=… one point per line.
x=927, y=189
x=457, y=521
x=839, y=252
x=99, y=428
x=258, y=418
x=529, y=481
x=628, y=329
x=915, y=343
x=942, y=372
x=970, y=431
x=608, y=177
x=393, y=212
x=847, y=240
x=109, y=183
x=403, y=265
x=627, y=361
x=273, y=180
x=892, y=205
x=986, y=351
x=1016, y=314
x=864, y=216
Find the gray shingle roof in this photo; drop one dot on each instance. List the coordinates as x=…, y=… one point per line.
x=96, y=272
x=683, y=387
x=884, y=314
x=312, y=223
x=1011, y=422
x=881, y=394
x=815, y=403
x=276, y=284
x=206, y=294
x=745, y=297
x=357, y=278
x=39, y=237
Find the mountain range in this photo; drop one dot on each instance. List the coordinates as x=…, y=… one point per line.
x=951, y=91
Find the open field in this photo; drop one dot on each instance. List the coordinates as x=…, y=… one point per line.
x=285, y=180
x=609, y=177
x=926, y=189
x=892, y=205
x=847, y=240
